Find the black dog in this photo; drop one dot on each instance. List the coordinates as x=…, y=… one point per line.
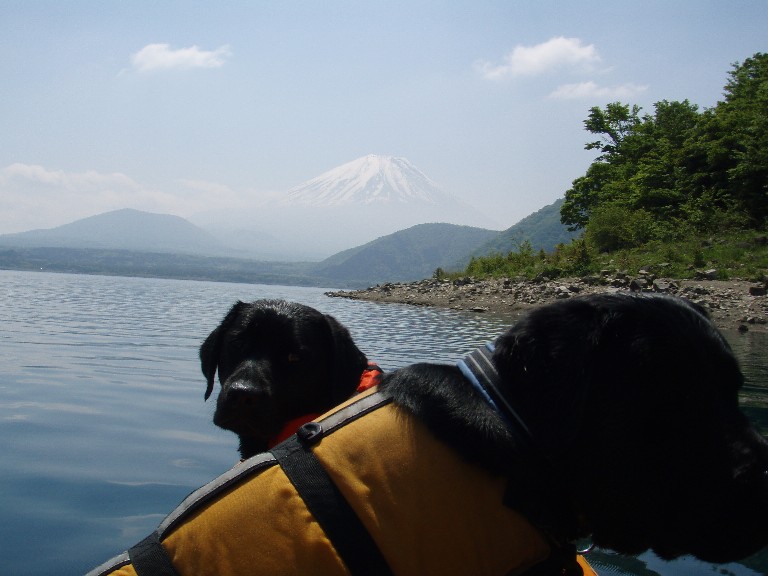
x=277, y=361
x=646, y=385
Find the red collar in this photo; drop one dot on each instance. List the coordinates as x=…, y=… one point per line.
x=370, y=377
x=290, y=427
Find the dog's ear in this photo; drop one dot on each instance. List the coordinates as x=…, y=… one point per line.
x=348, y=362
x=209, y=354
x=566, y=331
x=551, y=353
x=209, y=350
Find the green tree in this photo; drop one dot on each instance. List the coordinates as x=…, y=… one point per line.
x=606, y=178
x=613, y=227
x=744, y=117
x=613, y=124
x=660, y=182
x=679, y=165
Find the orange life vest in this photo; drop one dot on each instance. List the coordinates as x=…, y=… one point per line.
x=427, y=510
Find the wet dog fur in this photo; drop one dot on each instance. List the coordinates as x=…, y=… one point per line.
x=277, y=361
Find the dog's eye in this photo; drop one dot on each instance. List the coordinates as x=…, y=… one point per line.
x=293, y=357
x=238, y=339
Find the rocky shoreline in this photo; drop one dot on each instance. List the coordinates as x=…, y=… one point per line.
x=732, y=304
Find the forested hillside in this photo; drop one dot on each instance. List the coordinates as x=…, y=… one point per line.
x=543, y=229
x=668, y=185
x=677, y=171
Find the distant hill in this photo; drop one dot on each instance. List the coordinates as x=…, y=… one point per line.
x=158, y=265
x=410, y=254
x=125, y=229
x=542, y=229
x=134, y=243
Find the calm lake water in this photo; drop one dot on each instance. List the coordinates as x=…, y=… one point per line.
x=103, y=425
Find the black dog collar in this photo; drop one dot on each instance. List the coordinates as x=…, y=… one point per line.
x=478, y=368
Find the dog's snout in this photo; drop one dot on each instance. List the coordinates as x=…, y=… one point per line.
x=241, y=392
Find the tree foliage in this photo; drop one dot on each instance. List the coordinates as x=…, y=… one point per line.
x=677, y=170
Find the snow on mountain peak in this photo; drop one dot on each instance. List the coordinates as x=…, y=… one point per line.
x=372, y=179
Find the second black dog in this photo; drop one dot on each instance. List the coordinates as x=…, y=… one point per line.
x=277, y=361
x=623, y=424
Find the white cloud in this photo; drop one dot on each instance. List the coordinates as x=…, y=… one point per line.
x=76, y=181
x=32, y=196
x=554, y=54
x=162, y=57
x=591, y=90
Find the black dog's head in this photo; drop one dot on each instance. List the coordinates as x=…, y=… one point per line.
x=642, y=422
x=277, y=361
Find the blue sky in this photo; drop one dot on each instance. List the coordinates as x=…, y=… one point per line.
x=192, y=107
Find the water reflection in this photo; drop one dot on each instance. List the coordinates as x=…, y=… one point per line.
x=751, y=349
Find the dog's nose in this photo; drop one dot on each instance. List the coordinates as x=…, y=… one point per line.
x=241, y=393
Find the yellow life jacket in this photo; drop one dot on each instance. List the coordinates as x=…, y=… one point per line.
x=427, y=510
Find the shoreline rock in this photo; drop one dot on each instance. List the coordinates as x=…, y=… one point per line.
x=733, y=304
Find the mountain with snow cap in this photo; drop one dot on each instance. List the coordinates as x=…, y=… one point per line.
x=372, y=179
x=351, y=205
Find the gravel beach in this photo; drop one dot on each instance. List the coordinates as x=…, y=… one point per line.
x=732, y=304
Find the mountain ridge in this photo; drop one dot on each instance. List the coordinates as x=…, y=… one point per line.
x=542, y=229
x=410, y=254
x=405, y=255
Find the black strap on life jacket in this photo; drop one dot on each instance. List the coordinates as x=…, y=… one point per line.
x=149, y=557
x=328, y=506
